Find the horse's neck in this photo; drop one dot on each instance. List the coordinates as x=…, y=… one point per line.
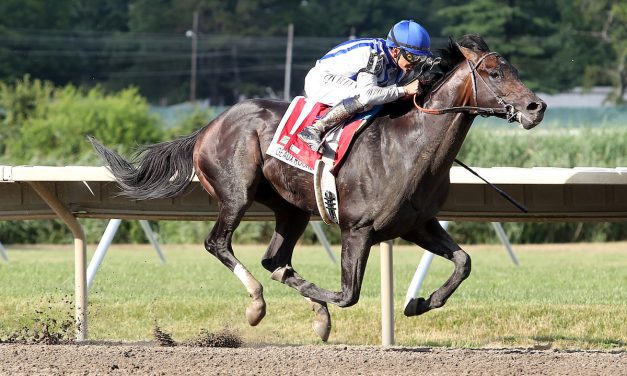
x=445, y=134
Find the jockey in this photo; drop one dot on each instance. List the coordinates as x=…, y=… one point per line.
x=361, y=73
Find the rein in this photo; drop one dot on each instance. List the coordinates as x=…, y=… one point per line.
x=506, y=110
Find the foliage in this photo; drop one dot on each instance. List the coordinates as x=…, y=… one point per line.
x=19, y=103
x=603, y=22
x=197, y=119
x=45, y=125
x=56, y=232
x=518, y=30
x=46, y=232
x=101, y=47
x=42, y=124
x=598, y=147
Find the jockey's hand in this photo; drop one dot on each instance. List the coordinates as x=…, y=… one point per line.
x=413, y=87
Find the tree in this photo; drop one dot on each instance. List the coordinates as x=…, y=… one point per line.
x=521, y=30
x=602, y=22
x=47, y=125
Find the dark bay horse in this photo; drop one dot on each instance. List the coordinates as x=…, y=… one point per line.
x=392, y=184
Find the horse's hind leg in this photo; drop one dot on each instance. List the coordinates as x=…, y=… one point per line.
x=291, y=222
x=219, y=244
x=436, y=240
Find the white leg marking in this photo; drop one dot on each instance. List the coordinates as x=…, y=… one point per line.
x=247, y=279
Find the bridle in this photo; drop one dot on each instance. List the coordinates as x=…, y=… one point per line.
x=507, y=109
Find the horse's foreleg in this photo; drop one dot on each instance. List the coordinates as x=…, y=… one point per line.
x=355, y=249
x=436, y=240
x=219, y=244
x=291, y=222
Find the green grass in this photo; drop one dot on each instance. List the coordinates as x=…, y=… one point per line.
x=571, y=296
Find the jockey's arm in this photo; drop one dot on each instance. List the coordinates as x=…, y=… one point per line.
x=371, y=94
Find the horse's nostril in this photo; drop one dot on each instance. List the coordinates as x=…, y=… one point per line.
x=535, y=106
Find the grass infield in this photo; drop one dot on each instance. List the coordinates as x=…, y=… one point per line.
x=567, y=296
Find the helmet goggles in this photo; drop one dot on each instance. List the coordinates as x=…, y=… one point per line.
x=415, y=59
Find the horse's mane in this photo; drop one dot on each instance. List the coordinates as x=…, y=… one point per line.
x=450, y=57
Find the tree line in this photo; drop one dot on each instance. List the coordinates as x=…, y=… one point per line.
x=556, y=44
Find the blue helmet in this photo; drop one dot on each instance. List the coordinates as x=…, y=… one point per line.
x=411, y=37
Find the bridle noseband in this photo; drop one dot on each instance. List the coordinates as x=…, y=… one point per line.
x=507, y=109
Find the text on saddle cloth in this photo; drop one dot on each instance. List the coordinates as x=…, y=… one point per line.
x=287, y=147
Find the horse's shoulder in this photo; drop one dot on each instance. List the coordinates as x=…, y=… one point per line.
x=396, y=109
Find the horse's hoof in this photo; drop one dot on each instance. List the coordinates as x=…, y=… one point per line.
x=256, y=311
x=322, y=321
x=416, y=307
x=281, y=273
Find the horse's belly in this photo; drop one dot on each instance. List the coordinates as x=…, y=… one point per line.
x=293, y=185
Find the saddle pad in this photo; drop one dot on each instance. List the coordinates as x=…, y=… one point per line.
x=287, y=147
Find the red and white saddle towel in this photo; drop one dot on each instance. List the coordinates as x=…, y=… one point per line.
x=302, y=112
x=287, y=147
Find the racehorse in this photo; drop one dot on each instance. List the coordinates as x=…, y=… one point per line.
x=391, y=185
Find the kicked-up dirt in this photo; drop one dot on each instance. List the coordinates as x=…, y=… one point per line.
x=149, y=359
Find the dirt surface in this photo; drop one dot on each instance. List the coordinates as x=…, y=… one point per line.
x=147, y=359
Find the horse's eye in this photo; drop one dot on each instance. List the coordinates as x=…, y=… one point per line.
x=495, y=74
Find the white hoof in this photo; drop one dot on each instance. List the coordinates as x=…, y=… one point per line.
x=322, y=321
x=256, y=311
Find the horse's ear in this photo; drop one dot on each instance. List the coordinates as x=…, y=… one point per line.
x=468, y=53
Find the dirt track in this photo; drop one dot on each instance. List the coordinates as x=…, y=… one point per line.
x=300, y=360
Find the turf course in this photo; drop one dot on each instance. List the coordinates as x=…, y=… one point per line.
x=571, y=296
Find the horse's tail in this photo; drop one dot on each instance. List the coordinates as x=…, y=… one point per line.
x=161, y=170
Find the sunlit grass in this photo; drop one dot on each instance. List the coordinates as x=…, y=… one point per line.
x=567, y=296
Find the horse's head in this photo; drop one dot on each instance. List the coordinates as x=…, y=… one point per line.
x=492, y=83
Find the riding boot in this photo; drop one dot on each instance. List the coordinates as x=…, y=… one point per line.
x=312, y=135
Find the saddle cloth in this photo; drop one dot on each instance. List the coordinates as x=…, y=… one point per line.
x=287, y=147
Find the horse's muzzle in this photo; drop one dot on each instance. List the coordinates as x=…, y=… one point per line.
x=532, y=114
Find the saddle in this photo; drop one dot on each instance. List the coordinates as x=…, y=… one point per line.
x=287, y=147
